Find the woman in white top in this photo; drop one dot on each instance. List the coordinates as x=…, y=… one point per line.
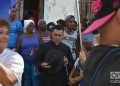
x=11, y=63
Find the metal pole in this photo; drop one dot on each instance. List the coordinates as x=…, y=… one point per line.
x=79, y=24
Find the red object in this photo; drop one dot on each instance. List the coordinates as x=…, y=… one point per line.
x=35, y=16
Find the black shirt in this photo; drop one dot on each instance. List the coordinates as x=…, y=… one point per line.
x=57, y=79
x=95, y=58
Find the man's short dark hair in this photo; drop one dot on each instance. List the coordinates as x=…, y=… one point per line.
x=61, y=22
x=59, y=27
x=4, y=23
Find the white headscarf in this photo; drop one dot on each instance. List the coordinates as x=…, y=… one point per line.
x=27, y=22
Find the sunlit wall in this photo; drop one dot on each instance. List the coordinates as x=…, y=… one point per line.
x=58, y=9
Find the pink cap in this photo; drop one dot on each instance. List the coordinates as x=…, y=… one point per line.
x=98, y=23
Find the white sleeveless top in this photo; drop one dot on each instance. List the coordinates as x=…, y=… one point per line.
x=70, y=41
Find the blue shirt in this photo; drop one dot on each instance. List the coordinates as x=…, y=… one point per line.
x=88, y=37
x=15, y=28
x=27, y=44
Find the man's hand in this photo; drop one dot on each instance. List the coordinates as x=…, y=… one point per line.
x=78, y=78
x=71, y=81
x=65, y=60
x=45, y=65
x=82, y=56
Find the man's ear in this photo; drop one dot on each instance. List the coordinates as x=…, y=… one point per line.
x=118, y=15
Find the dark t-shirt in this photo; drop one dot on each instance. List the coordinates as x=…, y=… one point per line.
x=104, y=73
x=59, y=78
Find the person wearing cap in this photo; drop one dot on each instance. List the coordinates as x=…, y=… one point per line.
x=50, y=26
x=70, y=35
x=52, y=73
x=27, y=45
x=42, y=30
x=11, y=63
x=15, y=29
x=107, y=22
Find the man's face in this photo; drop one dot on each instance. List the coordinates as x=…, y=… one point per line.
x=13, y=13
x=57, y=36
x=42, y=25
x=70, y=23
x=3, y=37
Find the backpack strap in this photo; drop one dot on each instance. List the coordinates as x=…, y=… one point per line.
x=104, y=60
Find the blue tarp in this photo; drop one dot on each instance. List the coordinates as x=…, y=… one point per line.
x=13, y=2
x=5, y=6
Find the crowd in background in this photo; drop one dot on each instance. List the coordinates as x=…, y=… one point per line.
x=63, y=37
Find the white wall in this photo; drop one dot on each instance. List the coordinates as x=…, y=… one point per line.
x=58, y=9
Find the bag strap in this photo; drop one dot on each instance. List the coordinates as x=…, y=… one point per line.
x=104, y=60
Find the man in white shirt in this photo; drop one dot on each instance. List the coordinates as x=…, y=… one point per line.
x=11, y=63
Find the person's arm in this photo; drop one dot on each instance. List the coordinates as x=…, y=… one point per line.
x=40, y=37
x=78, y=78
x=70, y=77
x=15, y=64
x=20, y=29
x=40, y=57
x=7, y=78
x=73, y=80
x=82, y=56
x=18, y=45
x=11, y=71
x=70, y=60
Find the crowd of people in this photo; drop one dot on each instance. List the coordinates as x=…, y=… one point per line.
x=51, y=55
x=45, y=55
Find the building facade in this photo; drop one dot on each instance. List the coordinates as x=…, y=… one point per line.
x=85, y=9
